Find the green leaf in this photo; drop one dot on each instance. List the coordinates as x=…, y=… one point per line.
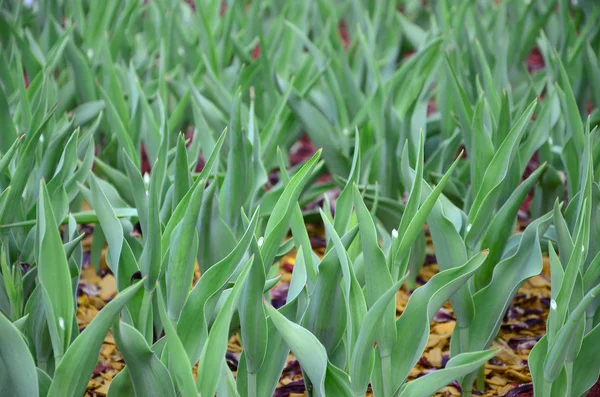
x=445, y=222
x=253, y=319
x=487, y=196
x=151, y=258
x=148, y=374
x=456, y=368
x=140, y=198
x=571, y=110
x=277, y=350
x=414, y=33
x=119, y=129
x=9, y=134
x=82, y=74
x=23, y=170
x=9, y=155
x=557, y=351
x=121, y=385
x=192, y=326
x=377, y=275
x=183, y=178
x=183, y=250
x=586, y=367
x=111, y=226
x=328, y=326
x=54, y=276
x=536, y=365
x=116, y=178
x=18, y=375
x=179, y=367
x=415, y=226
x=181, y=208
x=343, y=205
x=497, y=234
x=238, y=177
x=311, y=354
x=44, y=382
x=212, y=231
x=278, y=223
x=361, y=363
x=213, y=354
x=422, y=306
x=492, y=301
x=299, y=233
x=356, y=305
x=74, y=370
x=414, y=198
x=320, y=131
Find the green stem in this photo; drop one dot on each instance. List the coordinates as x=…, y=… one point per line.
x=589, y=323
x=402, y=268
x=57, y=359
x=144, y=314
x=481, y=379
x=80, y=217
x=394, y=269
x=463, y=337
x=467, y=384
x=42, y=364
x=386, y=371
x=252, y=389
x=569, y=370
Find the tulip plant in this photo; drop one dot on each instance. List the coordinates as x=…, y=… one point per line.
x=170, y=127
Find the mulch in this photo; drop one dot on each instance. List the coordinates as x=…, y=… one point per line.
x=505, y=375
